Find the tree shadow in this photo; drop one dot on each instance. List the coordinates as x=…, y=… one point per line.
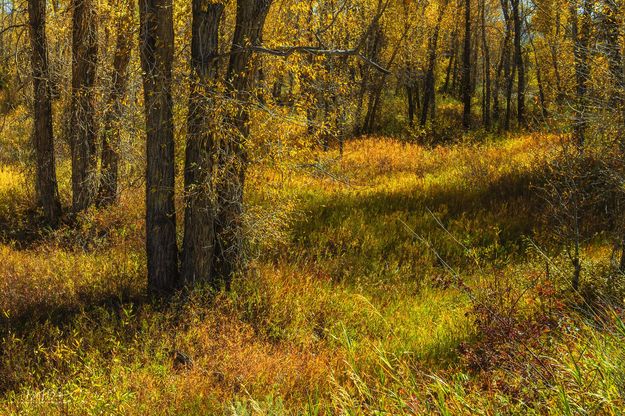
x=508, y=205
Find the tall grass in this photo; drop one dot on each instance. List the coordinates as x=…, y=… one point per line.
x=342, y=311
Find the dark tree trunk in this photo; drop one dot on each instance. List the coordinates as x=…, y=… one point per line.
x=450, y=64
x=232, y=157
x=83, y=121
x=486, y=52
x=556, y=71
x=581, y=39
x=373, y=104
x=108, y=191
x=539, y=80
x=503, y=67
x=541, y=91
x=199, y=215
x=614, y=55
x=43, y=140
x=411, y=104
x=518, y=61
x=429, y=91
x=466, y=67
x=454, y=78
x=157, y=47
x=616, y=65
x=475, y=45
x=509, y=88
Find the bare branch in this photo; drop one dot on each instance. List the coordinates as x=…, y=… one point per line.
x=290, y=50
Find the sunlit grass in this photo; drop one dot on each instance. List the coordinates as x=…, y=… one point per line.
x=344, y=309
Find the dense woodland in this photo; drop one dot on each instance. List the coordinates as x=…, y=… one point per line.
x=312, y=207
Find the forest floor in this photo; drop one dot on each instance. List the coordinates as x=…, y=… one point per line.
x=397, y=279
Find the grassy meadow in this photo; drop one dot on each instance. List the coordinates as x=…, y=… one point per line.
x=396, y=279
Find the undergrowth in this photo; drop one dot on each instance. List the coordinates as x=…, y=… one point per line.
x=397, y=279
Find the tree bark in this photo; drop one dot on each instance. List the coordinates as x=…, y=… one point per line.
x=250, y=20
x=486, y=51
x=466, y=67
x=429, y=91
x=45, y=178
x=581, y=39
x=109, y=173
x=83, y=120
x=157, y=47
x=504, y=64
x=199, y=216
x=518, y=61
x=450, y=63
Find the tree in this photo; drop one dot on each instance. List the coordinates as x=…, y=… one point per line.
x=109, y=173
x=200, y=210
x=429, y=97
x=486, y=54
x=503, y=70
x=581, y=41
x=43, y=140
x=466, y=67
x=157, y=50
x=518, y=61
x=83, y=125
x=232, y=154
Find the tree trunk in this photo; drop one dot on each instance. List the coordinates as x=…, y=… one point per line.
x=614, y=55
x=509, y=88
x=466, y=67
x=486, y=52
x=43, y=140
x=83, y=121
x=454, y=80
x=518, y=61
x=503, y=66
x=541, y=91
x=539, y=80
x=199, y=215
x=250, y=20
x=411, y=105
x=450, y=64
x=428, y=91
x=157, y=47
x=581, y=41
x=109, y=173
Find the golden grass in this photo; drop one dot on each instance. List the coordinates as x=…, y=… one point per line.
x=343, y=310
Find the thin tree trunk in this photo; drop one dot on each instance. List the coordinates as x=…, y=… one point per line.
x=466, y=67
x=541, y=91
x=109, y=173
x=83, y=121
x=450, y=64
x=502, y=67
x=518, y=60
x=486, y=51
x=455, y=85
x=539, y=80
x=429, y=92
x=581, y=39
x=43, y=140
x=411, y=105
x=509, y=88
x=199, y=215
x=157, y=47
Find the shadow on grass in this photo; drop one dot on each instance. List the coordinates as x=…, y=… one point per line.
x=503, y=212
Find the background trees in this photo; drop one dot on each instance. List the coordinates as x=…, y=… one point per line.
x=312, y=62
